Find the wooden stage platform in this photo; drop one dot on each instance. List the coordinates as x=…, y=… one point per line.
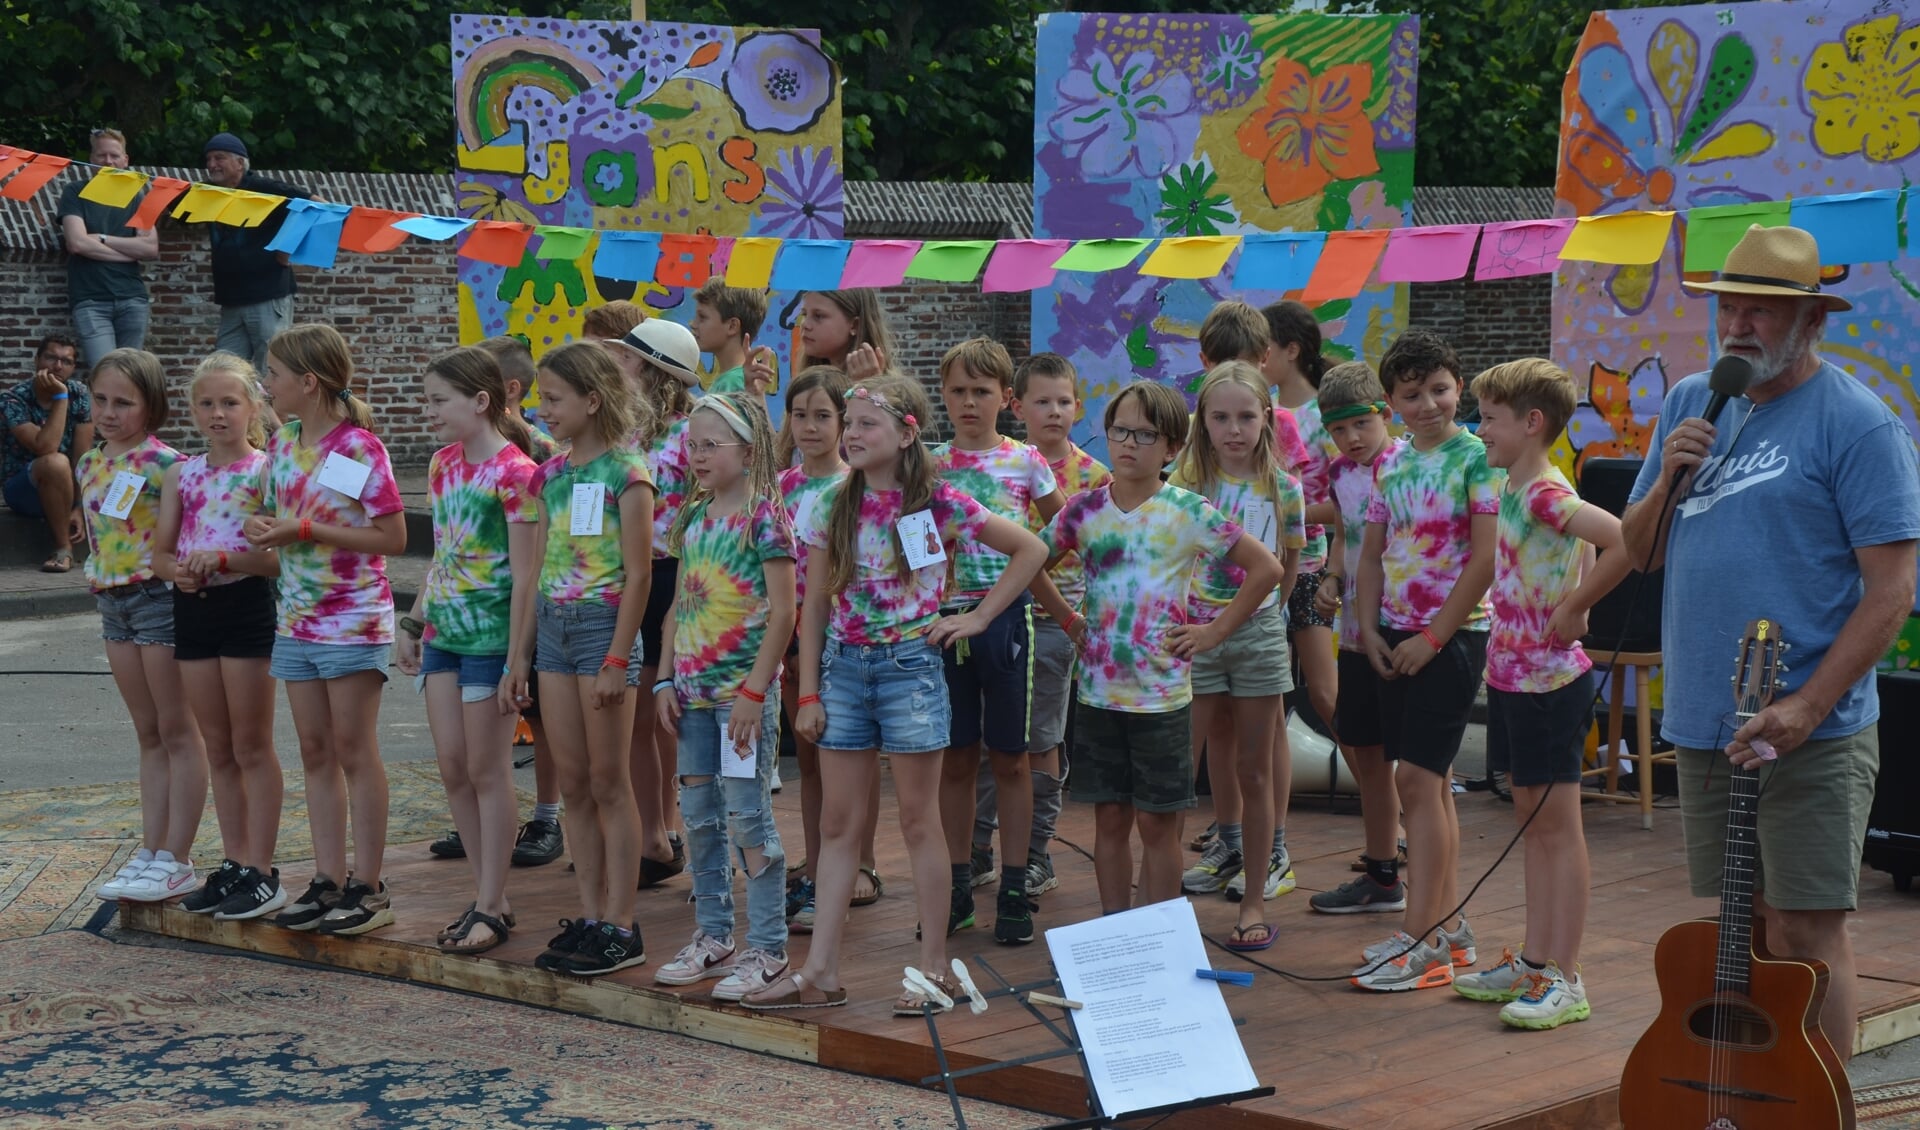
x=1337, y=1057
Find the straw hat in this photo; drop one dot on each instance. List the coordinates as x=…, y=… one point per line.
x=1783, y=262
x=669, y=346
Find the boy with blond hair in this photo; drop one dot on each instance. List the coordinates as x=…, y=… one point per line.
x=1539, y=690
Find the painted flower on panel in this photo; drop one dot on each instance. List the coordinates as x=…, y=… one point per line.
x=1236, y=61
x=1188, y=203
x=1119, y=120
x=1311, y=130
x=806, y=198
x=1864, y=92
x=780, y=81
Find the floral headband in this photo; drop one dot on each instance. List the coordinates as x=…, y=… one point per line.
x=879, y=400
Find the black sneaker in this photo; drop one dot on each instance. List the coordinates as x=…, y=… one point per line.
x=305, y=912
x=214, y=891
x=449, y=846
x=361, y=909
x=1013, y=919
x=959, y=910
x=253, y=895
x=562, y=946
x=607, y=949
x=540, y=842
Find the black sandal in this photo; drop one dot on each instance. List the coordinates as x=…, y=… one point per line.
x=501, y=927
x=458, y=927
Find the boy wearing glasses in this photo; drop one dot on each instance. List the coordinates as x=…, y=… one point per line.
x=1140, y=540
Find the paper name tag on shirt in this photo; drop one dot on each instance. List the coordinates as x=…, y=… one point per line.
x=348, y=476
x=920, y=538
x=121, y=494
x=589, y=509
x=1258, y=519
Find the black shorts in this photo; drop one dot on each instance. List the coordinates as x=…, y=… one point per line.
x=1538, y=738
x=1356, y=710
x=1300, y=610
x=990, y=682
x=666, y=577
x=230, y=621
x=1425, y=715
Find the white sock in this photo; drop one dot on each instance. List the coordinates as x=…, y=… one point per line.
x=143, y=856
x=163, y=856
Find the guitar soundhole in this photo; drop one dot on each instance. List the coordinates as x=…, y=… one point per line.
x=1731, y=1024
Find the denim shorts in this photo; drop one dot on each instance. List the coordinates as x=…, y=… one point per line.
x=474, y=672
x=886, y=696
x=302, y=661
x=139, y=613
x=573, y=638
x=22, y=497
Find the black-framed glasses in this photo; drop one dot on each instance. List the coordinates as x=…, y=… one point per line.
x=1139, y=437
x=51, y=359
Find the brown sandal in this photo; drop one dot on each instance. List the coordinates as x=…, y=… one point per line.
x=912, y=1003
x=879, y=889
x=791, y=991
x=500, y=927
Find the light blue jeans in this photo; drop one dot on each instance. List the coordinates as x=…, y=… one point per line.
x=104, y=326
x=736, y=811
x=246, y=330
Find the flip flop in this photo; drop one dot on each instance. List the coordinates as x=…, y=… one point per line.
x=499, y=926
x=1238, y=940
x=794, y=993
x=879, y=888
x=60, y=562
x=458, y=927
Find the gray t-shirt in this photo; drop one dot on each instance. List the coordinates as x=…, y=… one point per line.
x=90, y=280
x=1769, y=528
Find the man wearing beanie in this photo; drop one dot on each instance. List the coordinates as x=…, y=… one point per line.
x=253, y=286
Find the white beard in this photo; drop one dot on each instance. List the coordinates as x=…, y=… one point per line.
x=1772, y=364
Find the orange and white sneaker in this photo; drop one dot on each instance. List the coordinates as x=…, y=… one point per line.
x=1426, y=966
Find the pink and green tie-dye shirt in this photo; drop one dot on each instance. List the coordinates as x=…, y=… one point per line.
x=1216, y=581
x=470, y=584
x=1077, y=474
x=1314, y=480
x=215, y=503
x=588, y=566
x=1535, y=567
x=1352, y=487
x=879, y=606
x=1427, y=500
x=804, y=495
x=329, y=594
x=672, y=479
x=1139, y=567
x=1005, y=479
x=120, y=550
x=720, y=612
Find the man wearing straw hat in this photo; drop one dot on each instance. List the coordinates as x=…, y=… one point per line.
x=1801, y=506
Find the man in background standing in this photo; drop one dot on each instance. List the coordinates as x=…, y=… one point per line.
x=253, y=286
x=106, y=289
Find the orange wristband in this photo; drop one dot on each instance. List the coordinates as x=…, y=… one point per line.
x=1432, y=641
x=223, y=562
x=619, y=661
x=306, y=529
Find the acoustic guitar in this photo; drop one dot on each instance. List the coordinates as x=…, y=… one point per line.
x=1737, y=1044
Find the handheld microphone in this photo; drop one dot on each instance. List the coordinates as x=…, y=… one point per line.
x=1730, y=377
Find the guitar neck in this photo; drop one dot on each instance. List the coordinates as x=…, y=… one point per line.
x=1734, y=962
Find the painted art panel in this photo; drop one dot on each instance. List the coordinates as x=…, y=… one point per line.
x=636, y=127
x=1177, y=125
x=1677, y=108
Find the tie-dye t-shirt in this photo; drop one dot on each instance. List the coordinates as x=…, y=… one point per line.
x=1314, y=481
x=215, y=503
x=1216, y=581
x=1352, y=487
x=329, y=594
x=720, y=613
x=1077, y=474
x=1005, y=479
x=879, y=606
x=544, y=446
x=1535, y=567
x=1139, y=566
x=1427, y=500
x=590, y=566
x=672, y=479
x=804, y=495
x=470, y=584
x=120, y=550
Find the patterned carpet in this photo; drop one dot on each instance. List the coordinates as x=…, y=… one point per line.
x=1891, y=1106
x=56, y=845
x=99, y=1033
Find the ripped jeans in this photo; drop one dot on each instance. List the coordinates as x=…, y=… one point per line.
x=726, y=816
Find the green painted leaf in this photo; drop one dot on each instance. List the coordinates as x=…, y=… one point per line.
x=1729, y=74
x=1139, y=353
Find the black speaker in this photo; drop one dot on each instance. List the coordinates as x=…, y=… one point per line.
x=1628, y=618
x=1893, y=825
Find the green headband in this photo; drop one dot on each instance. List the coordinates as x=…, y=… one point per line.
x=1352, y=410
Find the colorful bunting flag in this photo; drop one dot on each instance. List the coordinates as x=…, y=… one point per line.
x=1712, y=231
x=953, y=260
x=1190, y=256
x=33, y=176
x=1854, y=227
x=1344, y=265
x=751, y=263
x=811, y=264
x=371, y=230
x=1525, y=247
x=1095, y=255
x=165, y=191
x=1628, y=239
x=1023, y=264
x=1278, y=260
x=626, y=256
x=114, y=188
x=879, y=262
x=1428, y=254
x=562, y=243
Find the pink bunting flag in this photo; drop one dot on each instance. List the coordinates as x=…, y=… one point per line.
x=1022, y=264
x=1526, y=247
x=878, y=262
x=1428, y=254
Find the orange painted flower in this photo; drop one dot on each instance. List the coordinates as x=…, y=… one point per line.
x=1312, y=130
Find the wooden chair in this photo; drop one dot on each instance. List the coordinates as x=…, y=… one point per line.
x=1644, y=758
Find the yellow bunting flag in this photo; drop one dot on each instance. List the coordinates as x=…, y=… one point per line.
x=114, y=188
x=751, y=264
x=1626, y=239
x=202, y=204
x=1190, y=257
x=248, y=209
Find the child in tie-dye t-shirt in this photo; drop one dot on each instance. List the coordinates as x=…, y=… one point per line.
x=119, y=501
x=870, y=670
x=1424, y=570
x=732, y=616
x=1140, y=540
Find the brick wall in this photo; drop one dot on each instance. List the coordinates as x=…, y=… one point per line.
x=1488, y=322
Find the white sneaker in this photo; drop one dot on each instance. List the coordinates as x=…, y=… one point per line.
x=1426, y=966
x=1549, y=1001
x=752, y=971
x=1498, y=985
x=162, y=880
x=1280, y=879
x=114, y=888
x=705, y=956
x=774, y=785
x=1393, y=944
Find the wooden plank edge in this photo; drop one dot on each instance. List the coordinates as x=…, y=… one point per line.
x=483, y=976
x=1890, y=1027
